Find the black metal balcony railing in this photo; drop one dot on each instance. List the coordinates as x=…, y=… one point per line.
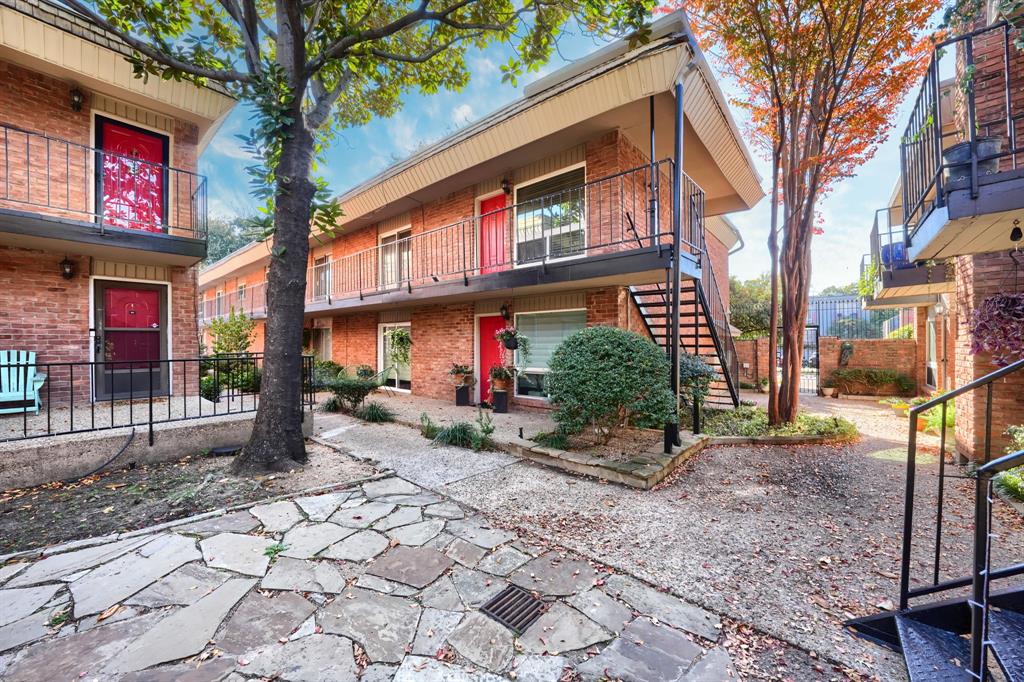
x=252, y=301
x=985, y=131
x=80, y=397
x=626, y=211
x=55, y=177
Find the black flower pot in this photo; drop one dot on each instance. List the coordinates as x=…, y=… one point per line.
x=511, y=343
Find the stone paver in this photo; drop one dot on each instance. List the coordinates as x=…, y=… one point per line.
x=483, y=641
x=442, y=595
x=550, y=574
x=402, y=516
x=602, y=609
x=212, y=670
x=10, y=570
x=23, y=601
x=561, y=629
x=435, y=626
x=317, y=658
x=422, y=669
x=22, y=631
x=305, y=541
x=664, y=607
x=475, y=587
x=58, y=566
x=444, y=510
x=183, y=633
x=418, y=533
x=362, y=515
x=277, y=517
x=416, y=566
x=539, y=668
x=466, y=553
x=239, y=553
x=382, y=624
x=479, y=533
x=361, y=546
x=713, y=666
x=232, y=522
x=260, y=620
x=320, y=507
x=305, y=575
x=185, y=586
x=119, y=579
x=646, y=652
x=390, y=486
x=503, y=560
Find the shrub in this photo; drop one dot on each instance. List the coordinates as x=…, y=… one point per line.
x=209, y=388
x=695, y=377
x=933, y=418
x=428, y=429
x=844, y=379
x=904, y=332
x=605, y=377
x=351, y=392
x=232, y=334
x=1011, y=482
x=753, y=422
x=552, y=439
x=374, y=412
x=247, y=380
x=459, y=434
x=326, y=372
x=481, y=438
x=332, y=403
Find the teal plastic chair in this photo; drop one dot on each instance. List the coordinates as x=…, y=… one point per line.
x=19, y=381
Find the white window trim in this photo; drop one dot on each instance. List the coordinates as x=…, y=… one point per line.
x=380, y=256
x=381, y=326
x=515, y=218
x=538, y=370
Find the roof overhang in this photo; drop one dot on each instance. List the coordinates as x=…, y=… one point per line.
x=57, y=42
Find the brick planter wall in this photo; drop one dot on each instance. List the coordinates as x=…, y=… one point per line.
x=887, y=354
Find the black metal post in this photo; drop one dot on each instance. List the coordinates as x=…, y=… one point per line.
x=908, y=512
x=655, y=185
x=979, y=583
x=672, y=428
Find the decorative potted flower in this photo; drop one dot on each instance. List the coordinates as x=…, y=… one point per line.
x=828, y=388
x=996, y=328
x=501, y=377
x=762, y=385
x=461, y=375
x=512, y=339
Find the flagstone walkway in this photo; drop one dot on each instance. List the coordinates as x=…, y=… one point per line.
x=382, y=581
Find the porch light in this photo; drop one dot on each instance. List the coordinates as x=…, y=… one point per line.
x=67, y=268
x=504, y=312
x=506, y=186
x=1015, y=233
x=77, y=99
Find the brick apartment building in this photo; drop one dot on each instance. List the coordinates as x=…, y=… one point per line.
x=946, y=241
x=102, y=213
x=548, y=214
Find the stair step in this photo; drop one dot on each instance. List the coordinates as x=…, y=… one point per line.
x=933, y=654
x=1006, y=631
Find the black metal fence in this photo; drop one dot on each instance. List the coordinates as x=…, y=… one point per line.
x=57, y=398
x=845, y=317
x=937, y=154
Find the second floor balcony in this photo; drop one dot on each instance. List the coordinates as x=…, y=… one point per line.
x=962, y=152
x=888, y=276
x=110, y=201
x=250, y=299
x=613, y=230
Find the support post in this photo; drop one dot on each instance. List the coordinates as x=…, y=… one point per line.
x=655, y=181
x=672, y=428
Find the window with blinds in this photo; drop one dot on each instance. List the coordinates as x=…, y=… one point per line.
x=545, y=332
x=551, y=218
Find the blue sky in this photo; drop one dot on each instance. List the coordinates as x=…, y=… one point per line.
x=359, y=153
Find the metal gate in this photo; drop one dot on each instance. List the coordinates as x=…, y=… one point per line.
x=808, y=363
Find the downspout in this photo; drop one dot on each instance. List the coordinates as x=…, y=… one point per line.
x=672, y=428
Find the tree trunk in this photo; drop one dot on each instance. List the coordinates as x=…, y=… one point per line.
x=277, y=442
x=796, y=276
x=773, y=314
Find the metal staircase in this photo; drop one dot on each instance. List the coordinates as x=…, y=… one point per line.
x=703, y=328
x=977, y=629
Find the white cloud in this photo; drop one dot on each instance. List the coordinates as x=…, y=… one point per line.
x=229, y=146
x=462, y=114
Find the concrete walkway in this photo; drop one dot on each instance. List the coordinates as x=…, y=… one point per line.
x=382, y=581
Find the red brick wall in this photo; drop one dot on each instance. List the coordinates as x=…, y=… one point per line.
x=977, y=278
x=754, y=354
x=354, y=340
x=888, y=354
x=441, y=335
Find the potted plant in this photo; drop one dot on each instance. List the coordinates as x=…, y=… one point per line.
x=995, y=328
x=762, y=385
x=461, y=375
x=501, y=377
x=828, y=388
x=512, y=339
x=957, y=158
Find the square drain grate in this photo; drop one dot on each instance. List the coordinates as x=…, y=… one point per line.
x=515, y=608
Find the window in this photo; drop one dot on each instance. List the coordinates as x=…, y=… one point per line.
x=241, y=294
x=398, y=375
x=545, y=332
x=218, y=303
x=321, y=278
x=550, y=218
x=320, y=342
x=931, y=374
x=395, y=259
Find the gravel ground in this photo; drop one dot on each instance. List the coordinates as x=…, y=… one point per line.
x=792, y=540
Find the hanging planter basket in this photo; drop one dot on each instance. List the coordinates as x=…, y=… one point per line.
x=512, y=343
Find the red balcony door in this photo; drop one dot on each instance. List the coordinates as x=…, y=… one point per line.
x=131, y=187
x=131, y=339
x=493, y=235
x=489, y=351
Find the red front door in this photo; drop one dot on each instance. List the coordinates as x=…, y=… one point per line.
x=132, y=183
x=490, y=351
x=131, y=339
x=494, y=254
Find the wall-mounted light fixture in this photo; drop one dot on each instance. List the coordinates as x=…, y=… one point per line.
x=67, y=268
x=506, y=186
x=77, y=99
x=1015, y=234
x=504, y=312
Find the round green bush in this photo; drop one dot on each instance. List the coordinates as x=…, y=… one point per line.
x=604, y=377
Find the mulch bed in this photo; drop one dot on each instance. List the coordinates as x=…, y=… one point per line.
x=624, y=445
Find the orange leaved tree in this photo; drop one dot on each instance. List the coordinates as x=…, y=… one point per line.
x=821, y=81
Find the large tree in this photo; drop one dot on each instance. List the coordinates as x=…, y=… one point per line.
x=308, y=67
x=822, y=81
